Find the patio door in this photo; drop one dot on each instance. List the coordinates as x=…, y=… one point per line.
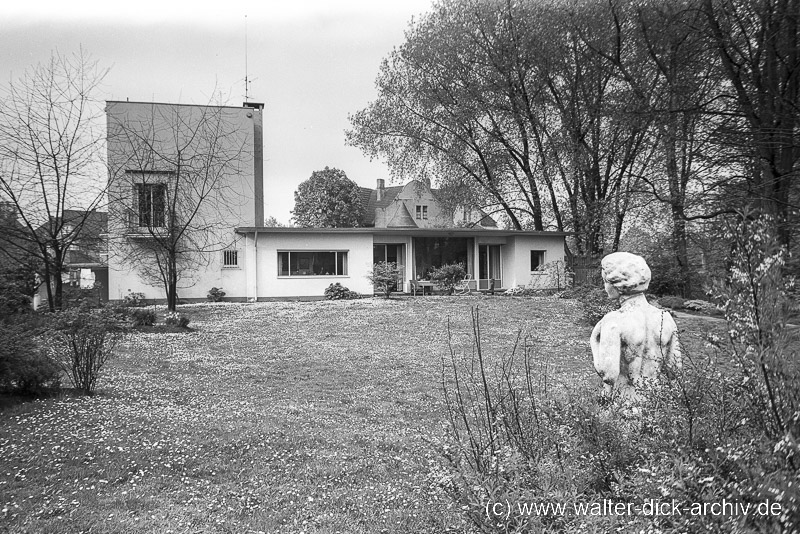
x=489, y=266
x=394, y=253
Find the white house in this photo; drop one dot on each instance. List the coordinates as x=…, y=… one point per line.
x=408, y=224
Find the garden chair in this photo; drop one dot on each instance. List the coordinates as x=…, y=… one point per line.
x=463, y=287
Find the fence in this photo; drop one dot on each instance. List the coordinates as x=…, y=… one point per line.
x=586, y=270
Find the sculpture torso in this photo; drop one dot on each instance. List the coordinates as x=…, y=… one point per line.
x=634, y=342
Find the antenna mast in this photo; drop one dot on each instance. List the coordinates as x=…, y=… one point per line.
x=246, y=82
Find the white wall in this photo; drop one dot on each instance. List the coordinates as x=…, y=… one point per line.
x=359, y=262
x=517, y=257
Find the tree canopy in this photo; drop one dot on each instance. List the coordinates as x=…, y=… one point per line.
x=328, y=199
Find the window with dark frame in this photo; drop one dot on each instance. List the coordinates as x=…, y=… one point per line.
x=422, y=212
x=537, y=259
x=152, y=205
x=312, y=263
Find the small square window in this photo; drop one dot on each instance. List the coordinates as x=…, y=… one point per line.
x=230, y=258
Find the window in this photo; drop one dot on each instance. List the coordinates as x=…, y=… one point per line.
x=230, y=258
x=537, y=259
x=152, y=204
x=312, y=263
x=422, y=212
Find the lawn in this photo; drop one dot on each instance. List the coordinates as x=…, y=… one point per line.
x=272, y=417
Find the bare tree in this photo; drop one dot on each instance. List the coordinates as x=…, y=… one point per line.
x=172, y=166
x=51, y=176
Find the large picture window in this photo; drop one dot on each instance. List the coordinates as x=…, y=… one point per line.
x=152, y=204
x=312, y=263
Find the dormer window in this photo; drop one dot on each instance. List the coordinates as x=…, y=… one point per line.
x=422, y=212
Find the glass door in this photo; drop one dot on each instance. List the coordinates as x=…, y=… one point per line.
x=392, y=253
x=489, y=267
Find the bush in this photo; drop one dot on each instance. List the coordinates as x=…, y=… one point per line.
x=512, y=437
x=216, y=294
x=176, y=319
x=133, y=299
x=596, y=304
x=25, y=367
x=448, y=276
x=142, y=317
x=82, y=341
x=338, y=292
x=385, y=275
x=675, y=303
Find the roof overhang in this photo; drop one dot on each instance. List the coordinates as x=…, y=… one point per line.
x=413, y=232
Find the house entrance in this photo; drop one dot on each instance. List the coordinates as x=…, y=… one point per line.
x=489, y=267
x=394, y=253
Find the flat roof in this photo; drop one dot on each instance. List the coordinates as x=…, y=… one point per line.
x=450, y=232
x=250, y=105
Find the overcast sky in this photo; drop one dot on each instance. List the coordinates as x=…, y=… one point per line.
x=312, y=62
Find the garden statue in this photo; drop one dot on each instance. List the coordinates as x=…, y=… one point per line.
x=638, y=340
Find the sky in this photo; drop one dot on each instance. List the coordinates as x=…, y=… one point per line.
x=311, y=62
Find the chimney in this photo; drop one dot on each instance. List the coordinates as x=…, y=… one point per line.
x=381, y=184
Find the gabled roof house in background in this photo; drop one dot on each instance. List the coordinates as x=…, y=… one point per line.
x=403, y=224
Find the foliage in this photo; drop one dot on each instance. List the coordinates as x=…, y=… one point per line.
x=216, y=294
x=384, y=276
x=517, y=436
x=50, y=158
x=176, y=319
x=338, y=292
x=448, y=276
x=133, y=299
x=15, y=293
x=596, y=303
x=82, y=341
x=142, y=317
x=672, y=302
x=329, y=199
x=757, y=305
x=25, y=366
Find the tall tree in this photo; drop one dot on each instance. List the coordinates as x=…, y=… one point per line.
x=758, y=43
x=172, y=170
x=51, y=161
x=328, y=199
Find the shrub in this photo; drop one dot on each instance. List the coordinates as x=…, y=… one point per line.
x=448, y=276
x=674, y=303
x=216, y=294
x=25, y=366
x=512, y=437
x=82, y=341
x=338, y=292
x=142, y=317
x=596, y=304
x=133, y=299
x=385, y=275
x=176, y=319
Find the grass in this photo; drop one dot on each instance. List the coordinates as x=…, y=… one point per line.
x=272, y=417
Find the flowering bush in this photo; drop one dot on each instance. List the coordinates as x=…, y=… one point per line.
x=133, y=299
x=514, y=291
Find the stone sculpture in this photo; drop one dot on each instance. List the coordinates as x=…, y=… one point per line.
x=638, y=340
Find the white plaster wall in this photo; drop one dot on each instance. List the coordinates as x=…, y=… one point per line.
x=517, y=255
x=359, y=262
x=236, y=206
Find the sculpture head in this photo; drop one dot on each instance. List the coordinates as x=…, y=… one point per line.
x=625, y=274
